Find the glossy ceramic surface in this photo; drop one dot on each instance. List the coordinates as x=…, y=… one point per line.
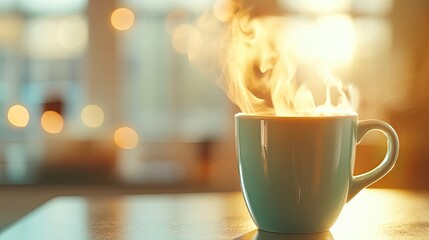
x=296, y=172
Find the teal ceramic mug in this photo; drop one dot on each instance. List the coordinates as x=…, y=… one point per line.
x=297, y=172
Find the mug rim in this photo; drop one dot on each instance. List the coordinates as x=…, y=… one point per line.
x=267, y=116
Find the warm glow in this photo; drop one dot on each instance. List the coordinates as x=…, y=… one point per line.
x=273, y=65
x=126, y=138
x=122, y=19
x=72, y=33
x=92, y=116
x=318, y=6
x=52, y=122
x=173, y=19
x=52, y=37
x=18, y=116
x=11, y=29
x=182, y=36
x=262, y=78
x=329, y=39
x=224, y=10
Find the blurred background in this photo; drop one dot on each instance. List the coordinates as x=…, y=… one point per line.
x=102, y=92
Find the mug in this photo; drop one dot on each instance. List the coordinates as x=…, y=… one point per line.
x=296, y=173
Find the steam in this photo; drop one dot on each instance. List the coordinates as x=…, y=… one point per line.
x=258, y=73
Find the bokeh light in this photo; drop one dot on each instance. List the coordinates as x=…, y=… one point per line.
x=122, y=19
x=72, y=33
x=330, y=39
x=52, y=37
x=224, y=10
x=182, y=36
x=92, y=116
x=126, y=138
x=18, y=116
x=175, y=18
x=52, y=122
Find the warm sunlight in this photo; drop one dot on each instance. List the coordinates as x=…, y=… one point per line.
x=329, y=39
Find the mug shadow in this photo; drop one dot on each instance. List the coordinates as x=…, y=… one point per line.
x=262, y=235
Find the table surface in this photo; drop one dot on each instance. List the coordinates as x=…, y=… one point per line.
x=373, y=214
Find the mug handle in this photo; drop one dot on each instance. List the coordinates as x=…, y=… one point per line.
x=363, y=180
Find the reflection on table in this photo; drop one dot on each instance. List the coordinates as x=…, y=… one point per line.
x=373, y=214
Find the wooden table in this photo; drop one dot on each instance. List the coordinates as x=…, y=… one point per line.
x=373, y=214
